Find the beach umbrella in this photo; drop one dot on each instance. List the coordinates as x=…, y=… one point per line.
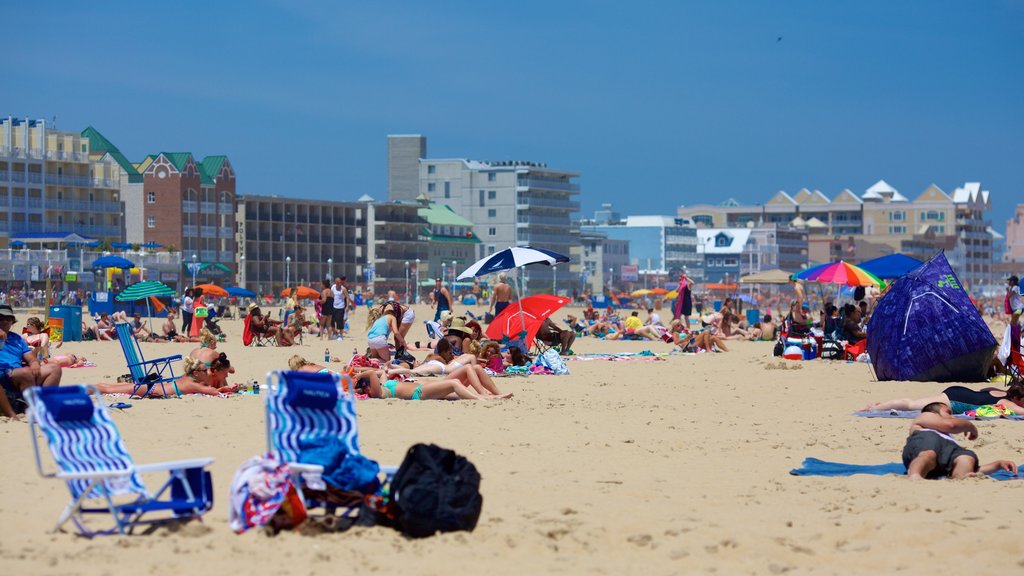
x=301, y=292
x=658, y=291
x=151, y=245
x=144, y=290
x=841, y=273
x=120, y=245
x=113, y=262
x=513, y=257
x=521, y=320
x=672, y=294
x=240, y=292
x=213, y=290
x=641, y=292
x=17, y=243
x=767, y=277
x=890, y=266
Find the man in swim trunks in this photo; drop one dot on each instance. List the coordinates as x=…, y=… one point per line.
x=931, y=452
x=442, y=299
x=501, y=295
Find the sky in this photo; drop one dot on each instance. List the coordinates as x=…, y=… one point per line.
x=670, y=103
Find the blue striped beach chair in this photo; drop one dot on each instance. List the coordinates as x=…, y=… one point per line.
x=144, y=372
x=91, y=458
x=305, y=407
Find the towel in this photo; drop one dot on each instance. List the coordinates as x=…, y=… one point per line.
x=816, y=467
x=916, y=413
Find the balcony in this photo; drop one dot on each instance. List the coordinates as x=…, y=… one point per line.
x=31, y=154
x=189, y=206
x=208, y=231
x=65, y=156
x=227, y=256
x=535, y=239
x=528, y=202
x=533, y=220
x=226, y=231
x=226, y=208
x=190, y=230
x=67, y=180
x=546, y=184
x=83, y=205
x=208, y=256
x=208, y=208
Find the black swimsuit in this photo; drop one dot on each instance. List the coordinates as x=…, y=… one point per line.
x=965, y=395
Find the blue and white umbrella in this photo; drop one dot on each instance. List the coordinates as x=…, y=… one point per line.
x=510, y=258
x=514, y=257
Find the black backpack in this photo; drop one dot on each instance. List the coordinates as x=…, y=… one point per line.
x=435, y=490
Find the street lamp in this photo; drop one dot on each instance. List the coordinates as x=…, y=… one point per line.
x=416, y=283
x=194, y=268
x=610, y=279
x=287, y=271
x=241, y=270
x=554, y=280
x=406, y=295
x=454, y=263
x=330, y=268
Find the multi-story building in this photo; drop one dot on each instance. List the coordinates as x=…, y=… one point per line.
x=658, y=245
x=877, y=222
x=51, y=183
x=299, y=241
x=597, y=261
x=1015, y=236
x=449, y=236
x=722, y=250
x=731, y=253
x=394, y=237
x=404, y=153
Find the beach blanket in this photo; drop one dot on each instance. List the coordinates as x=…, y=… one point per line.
x=645, y=355
x=816, y=467
x=972, y=415
x=85, y=364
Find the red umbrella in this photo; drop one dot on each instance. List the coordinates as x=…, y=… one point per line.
x=509, y=325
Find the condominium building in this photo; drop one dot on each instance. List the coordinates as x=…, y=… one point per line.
x=292, y=241
x=50, y=182
x=597, y=261
x=731, y=253
x=404, y=153
x=510, y=203
x=449, y=236
x=658, y=245
x=1015, y=236
x=879, y=221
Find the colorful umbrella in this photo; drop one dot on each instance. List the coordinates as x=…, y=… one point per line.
x=302, y=292
x=510, y=325
x=658, y=291
x=213, y=290
x=641, y=292
x=671, y=295
x=147, y=289
x=840, y=273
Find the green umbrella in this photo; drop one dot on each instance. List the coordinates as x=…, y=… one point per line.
x=141, y=290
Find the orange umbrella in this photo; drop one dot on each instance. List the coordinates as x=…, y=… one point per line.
x=302, y=292
x=659, y=291
x=213, y=290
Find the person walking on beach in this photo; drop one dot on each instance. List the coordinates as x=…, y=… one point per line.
x=931, y=452
x=442, y=299
x=339, y=306
x=325, y=308
x=187, y=310
x=684, y=301
x=501, y=295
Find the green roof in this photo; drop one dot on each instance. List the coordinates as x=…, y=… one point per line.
x=99, y=143
x=210, y=167
x=456, y=239
x=442, y=215
x=178, y=159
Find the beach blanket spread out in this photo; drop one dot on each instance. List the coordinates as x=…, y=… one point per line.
x=816, y=467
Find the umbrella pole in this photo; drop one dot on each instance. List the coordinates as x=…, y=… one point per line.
x=522, y=318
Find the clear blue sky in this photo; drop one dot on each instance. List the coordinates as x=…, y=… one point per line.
x=672, y=102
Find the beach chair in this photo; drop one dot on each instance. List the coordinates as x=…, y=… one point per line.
x=144, y=372
x=305, y=407
x=434, y=330
x=250, y=338
x=1014, y=368
x=852, y=352
x=91, y=458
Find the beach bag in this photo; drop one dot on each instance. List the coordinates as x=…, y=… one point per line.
x=779, y=348
x=202, y=312
x=435, y=490
x=551, y=360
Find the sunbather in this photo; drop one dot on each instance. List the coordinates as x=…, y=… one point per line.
x=197, y=379
x=931, y=451
x=36, y=337
x=961, y=399
x=67, y=361
x=448, y=389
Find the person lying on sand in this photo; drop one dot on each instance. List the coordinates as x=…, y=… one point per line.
x=448, y=389
x=197, y=379
x=67, y=361
x=931, y=452
x=960, y=399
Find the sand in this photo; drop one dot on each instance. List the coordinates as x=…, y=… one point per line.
x=637, y=467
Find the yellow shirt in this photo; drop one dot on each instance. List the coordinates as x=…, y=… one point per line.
x=633, y=322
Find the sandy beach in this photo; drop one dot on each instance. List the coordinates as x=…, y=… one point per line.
x=668, y=466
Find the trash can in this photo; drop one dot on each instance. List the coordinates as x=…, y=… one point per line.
x=72, y=317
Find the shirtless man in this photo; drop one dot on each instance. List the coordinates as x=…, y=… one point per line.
x=931, y=452
x=798, y=290
x=501, y=295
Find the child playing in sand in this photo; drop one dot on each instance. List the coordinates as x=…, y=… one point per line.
x=931, y=452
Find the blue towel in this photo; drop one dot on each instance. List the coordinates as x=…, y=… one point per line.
x=341, y=469
x=816, y=467
x=916, y=413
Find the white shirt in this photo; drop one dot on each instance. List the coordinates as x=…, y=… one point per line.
x=340, y=298
x=186, y=304
x=1015, y=299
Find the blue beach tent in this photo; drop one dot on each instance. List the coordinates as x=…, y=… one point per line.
x=927, y=329
x=890, y=266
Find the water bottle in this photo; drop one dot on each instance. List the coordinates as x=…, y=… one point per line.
x=255, y=387
x=327, y=354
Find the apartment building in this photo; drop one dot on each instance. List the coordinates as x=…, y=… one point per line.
x=879, y=221
x=658, y=245
x=728, y=254
x=597, y=261
x=50, y=182
x=1015, y=237
x=449, y=236
x=292, y=241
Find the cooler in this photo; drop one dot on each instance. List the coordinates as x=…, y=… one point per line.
x=72, y=318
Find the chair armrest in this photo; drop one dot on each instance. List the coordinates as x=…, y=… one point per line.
x=95, y=475
x=156, y=360
x=175, y=465
x=300, y=468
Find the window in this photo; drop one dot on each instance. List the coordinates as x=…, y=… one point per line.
x=151, y=197
x=431, y=187
x=447, y=189
x=492, y=194
x=492, y=231
x=481, y=198
x=491, y=176
x=730, y=261
x=492, y=213
x=490, y=249
x=151, y=222
x=431, y=169
x=897, y=216
x=897, y=229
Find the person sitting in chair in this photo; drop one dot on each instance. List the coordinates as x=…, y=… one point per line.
x=19, y=365
x=265, y=327
x=852, y=331
x=552, y=335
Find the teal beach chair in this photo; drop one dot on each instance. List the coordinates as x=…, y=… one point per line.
x=144, y=372
x=91, y=458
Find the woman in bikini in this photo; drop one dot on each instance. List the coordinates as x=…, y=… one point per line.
x=961, y=399
x=199, y=378
x=448, y=389
x=37, y=338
